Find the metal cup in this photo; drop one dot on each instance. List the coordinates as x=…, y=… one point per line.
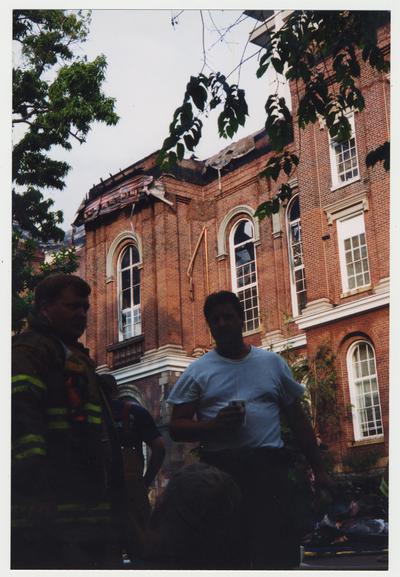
x=242, y=405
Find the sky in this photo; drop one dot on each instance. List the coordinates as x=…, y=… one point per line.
x=150, y=61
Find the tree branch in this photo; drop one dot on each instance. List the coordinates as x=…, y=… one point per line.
x=203, y=42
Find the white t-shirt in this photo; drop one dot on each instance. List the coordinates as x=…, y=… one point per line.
x=262, y=379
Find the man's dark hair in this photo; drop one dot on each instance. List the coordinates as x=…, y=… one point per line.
x=109, y=385
x=197, y=519
x=222, y=298
x=50, y=288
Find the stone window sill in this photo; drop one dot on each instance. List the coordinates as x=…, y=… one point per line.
x=343, y=184
x=356, y=291
x=363, y=442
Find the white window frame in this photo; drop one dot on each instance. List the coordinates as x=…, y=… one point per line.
x=293, y=269
x=235, y=287
x=336, y=182
x=138, y=265
x=358, y=436
x=354, y=222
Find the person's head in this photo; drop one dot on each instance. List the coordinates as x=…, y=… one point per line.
x=63, y=299
x=109, y=386
x=197, y=518
x=224, y=314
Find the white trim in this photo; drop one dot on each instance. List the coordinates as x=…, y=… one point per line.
x=352, y=389
x=290, y=343
x=336, y=183
x=349, y=227
x=292, y=269
x=147, y=368
x=350, y=181
x=137, y=265
x=221, y=239
x=126, y=235
x=277, y=223
x=342, y=311
x=234, y=285
x=351, y=204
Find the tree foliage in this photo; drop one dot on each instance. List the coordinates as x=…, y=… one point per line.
x=320, y=52
x=57, y=95
x=318, y=373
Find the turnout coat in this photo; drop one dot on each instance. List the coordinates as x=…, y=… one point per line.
x=65, y=452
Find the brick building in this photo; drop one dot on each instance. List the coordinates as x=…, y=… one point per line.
x=317, y=272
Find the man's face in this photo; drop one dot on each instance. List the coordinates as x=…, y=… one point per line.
x=67, y=314
x=226, y=325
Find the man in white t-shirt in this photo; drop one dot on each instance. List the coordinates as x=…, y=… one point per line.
x=244, y=439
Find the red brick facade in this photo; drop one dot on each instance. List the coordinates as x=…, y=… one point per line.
x=190, y=225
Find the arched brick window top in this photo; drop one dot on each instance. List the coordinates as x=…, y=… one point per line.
x=222, y=236
x=117, y=245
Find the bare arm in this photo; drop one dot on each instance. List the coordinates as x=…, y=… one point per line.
x=184, y=428
x=157, y=447
x=303, y=431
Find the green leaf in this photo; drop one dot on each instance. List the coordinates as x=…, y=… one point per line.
x=180, y=150
x=380, y=154
x=277, y=64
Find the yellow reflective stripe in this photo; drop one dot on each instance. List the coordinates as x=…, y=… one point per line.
x=93, y=407
x=31, y=453
x=27, y=439
x=384, y=488
x=94, y=420
x=33, y=380
x=21, y=523
x=58, y=425
x=56, y=411
x=21, y=389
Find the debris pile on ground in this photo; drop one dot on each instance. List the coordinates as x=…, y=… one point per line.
x=353, y=519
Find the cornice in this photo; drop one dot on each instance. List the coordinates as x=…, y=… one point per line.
x=362, y=305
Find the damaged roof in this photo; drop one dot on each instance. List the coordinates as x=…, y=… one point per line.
x=144, y=179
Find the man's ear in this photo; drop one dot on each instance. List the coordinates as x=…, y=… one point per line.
x=43, y=309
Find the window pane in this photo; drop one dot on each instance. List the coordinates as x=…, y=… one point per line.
x=126, y=258
x=125, y=279
x=244, y=232
x=366, y=389
x=244, y=254
x=135, y=254
x=294, y=209
x=126, y=299
x=135, y=276
x=136, y=295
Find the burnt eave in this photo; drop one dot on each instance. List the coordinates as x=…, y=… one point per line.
x=188, y=170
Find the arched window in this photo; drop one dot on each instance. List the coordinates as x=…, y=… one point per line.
x=130, y=324
x=297, y=272
x=364, y=391
x=244, y=272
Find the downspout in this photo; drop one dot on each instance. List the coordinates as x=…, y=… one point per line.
x=191, y=264
x=320, y=206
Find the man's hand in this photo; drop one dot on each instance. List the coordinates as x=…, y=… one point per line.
x=230, y=417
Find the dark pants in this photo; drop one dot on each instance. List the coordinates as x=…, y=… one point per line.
x=270, y=539
x=36, y=550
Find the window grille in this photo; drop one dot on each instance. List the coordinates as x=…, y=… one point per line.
x=244, y=272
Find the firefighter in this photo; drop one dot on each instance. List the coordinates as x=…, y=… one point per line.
x=67, y=477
